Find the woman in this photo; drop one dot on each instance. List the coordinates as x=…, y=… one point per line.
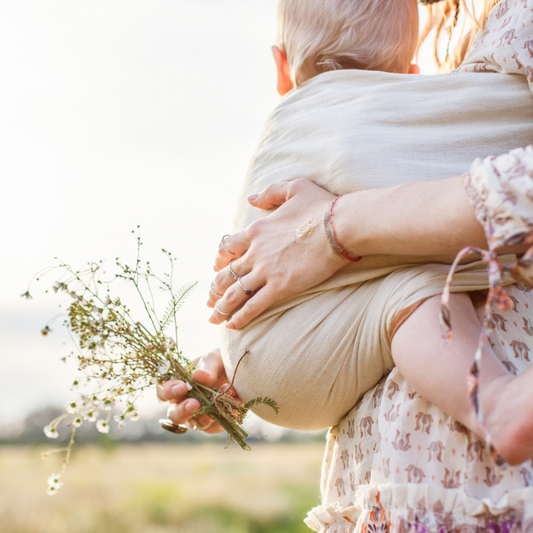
x=420, y=470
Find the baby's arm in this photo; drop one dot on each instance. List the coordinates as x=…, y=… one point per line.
x=437, y=370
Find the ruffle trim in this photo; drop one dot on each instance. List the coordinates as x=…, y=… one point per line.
x=402, y=508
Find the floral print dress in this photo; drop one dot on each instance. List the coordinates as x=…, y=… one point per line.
x=396, y=462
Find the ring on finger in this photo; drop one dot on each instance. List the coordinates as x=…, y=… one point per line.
x=219, y=311
x=223, y=246
x=248, y=292
x=232, y=273
x=212, y=291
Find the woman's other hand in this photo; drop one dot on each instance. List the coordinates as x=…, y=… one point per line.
x=211, y=373
x=276, y=257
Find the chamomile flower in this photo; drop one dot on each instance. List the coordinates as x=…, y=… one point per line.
x=72, y=408
x=51, y=490
x=108, y=404
x=102, y=426
x=163, y=369
x=51, y=432
x=27, y=296
x=133, y=415
x=77, y=422
x=53, y=484
x=119, y=419
x=45, y=331
x=53, y=479
x=91, y=416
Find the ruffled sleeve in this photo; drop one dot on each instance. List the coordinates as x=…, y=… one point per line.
x=501, y=192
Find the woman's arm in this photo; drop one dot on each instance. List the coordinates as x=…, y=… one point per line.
x=276, y=259
x=416, y=218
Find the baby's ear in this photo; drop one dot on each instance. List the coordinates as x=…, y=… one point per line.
x=284, y=74
x=414, y=69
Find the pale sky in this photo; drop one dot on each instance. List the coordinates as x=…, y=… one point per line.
x=113, y=114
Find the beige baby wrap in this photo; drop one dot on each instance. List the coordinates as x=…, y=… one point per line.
x=315, y=354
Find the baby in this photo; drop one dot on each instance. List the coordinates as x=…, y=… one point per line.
x=350, y=121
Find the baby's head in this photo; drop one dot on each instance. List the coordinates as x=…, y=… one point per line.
x=316, y=36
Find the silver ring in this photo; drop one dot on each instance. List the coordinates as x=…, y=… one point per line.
x=223, y=247
x=248, y=292
x=219, y=311
x=232, y=274
x=213, y=292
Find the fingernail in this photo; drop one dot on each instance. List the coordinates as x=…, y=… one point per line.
x=213, y=320
x=225, y=387
x=189, y=408
x=179, y=390
x=252, y=197
x=230, y=325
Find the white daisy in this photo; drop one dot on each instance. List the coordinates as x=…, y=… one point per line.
x=72, y=408
x=77, y=422
x=52, y=489
x=51, y=432
x=163, y=369
x=133, y=415
x=91, y=416
x=102, y=426
x=108, y=404
x=53, y=479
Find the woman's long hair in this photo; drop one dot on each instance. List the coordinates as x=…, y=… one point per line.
x=444, y=17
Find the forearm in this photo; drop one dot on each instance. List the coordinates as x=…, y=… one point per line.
x=416, y=218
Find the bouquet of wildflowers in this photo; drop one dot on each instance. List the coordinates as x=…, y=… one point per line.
x=119, y=357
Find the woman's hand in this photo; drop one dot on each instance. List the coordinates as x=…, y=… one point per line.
x=211, y=373
x=276, y=257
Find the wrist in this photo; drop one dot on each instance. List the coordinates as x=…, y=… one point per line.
x=346, y=226
x=331, y=234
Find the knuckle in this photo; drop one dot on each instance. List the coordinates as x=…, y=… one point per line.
x=231, y=296
x=268, y=189
x=254, y=229
x=219, y=282
x=249, y=310
x=300, y=183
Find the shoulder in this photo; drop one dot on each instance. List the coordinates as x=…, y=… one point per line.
x=506, y=43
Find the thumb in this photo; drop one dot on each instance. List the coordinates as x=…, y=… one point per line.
x=273, y=196
x=210, y=368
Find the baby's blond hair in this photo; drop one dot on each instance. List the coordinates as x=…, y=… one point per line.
x=322, y=35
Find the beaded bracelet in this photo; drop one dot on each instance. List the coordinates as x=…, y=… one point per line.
x=332, y=236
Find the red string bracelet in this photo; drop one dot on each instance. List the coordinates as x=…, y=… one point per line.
x=340, y=249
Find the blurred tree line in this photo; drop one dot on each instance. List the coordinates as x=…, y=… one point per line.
x=144, y=430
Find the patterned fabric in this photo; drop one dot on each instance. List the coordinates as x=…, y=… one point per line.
x=396, y=462
x=501, y=191
x=506, y=44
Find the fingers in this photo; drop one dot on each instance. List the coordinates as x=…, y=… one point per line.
x=210, y=370
x=223, y=281
x=273, y=196
x=253, y=308
x=234, y=247
x=182, y=412
x=233, y=298
x=173, y=390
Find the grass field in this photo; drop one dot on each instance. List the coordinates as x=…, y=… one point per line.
x=162, y=489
